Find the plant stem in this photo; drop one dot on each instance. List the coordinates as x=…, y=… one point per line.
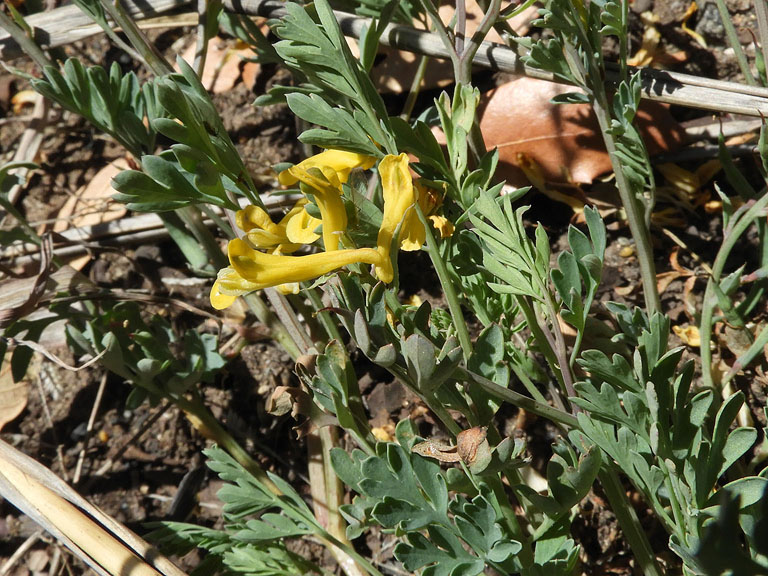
x=205, y=423
x=413, y=93
x=629, y=522
x=527, y=404
x=736, y=229
x=288, y=317
x=454, y=305
x=546, y=345
x=637, y=225
x=328, y=495
x=733, y=40
x=152, y=58
x=26, y=43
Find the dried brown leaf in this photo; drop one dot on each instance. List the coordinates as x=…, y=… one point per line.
x=564, y=140
x=13, y=396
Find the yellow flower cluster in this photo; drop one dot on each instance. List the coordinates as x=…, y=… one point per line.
x=262, y=259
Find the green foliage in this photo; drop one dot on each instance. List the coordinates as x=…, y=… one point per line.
x=204, y=167
x=151, y=355
x=672, y=442
x=583, y=264
x=113, y=102
x=509, y=255
x=407, y=493
x=257, y=523
x=313, y=46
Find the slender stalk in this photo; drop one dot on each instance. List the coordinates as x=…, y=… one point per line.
x=546, y=345
x=561, y=351
x=201, y=47
x=454, y=305
x=527, y=404
x=292, y=324
x=205, y=423
x=328, y=495
x=737, y=227
x=152, y=58
x=26, y=43
x=733, y=40
x=629, y=522
x=277, y=329
x=413, y=93
x=635, y=217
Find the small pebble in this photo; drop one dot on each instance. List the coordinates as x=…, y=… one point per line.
x=627, y=251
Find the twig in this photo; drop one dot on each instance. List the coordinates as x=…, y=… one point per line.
x=29, y=144
x=134, y=437
x=89, y=428
x=65, y=25
x=20, y=552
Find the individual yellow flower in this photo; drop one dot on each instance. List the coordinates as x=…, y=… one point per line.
x=339, y=161
x=399, y=199
x=324, y=185
x=261, y=270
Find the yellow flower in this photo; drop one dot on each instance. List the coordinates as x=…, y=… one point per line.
x=399, y=199
x=324, y=184
x=262, y=270
x=339, y=161
x=264, y=234
x=260, y=261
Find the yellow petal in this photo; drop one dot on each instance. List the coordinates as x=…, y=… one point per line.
x=220, y=301
x=252, y=217
x=338, y=160
x=443, y=225
x=228, y=286
x=300, y=229
x=325, y=186
x=397, y=186
x=265, y=270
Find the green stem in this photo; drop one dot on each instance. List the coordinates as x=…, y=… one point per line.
x=527, y=404
x=290, y=321
x=201, y=418
x=629, y=522
x=328, y=494
x=733, y=40
x=25, y=42
x=737, y=228
x=635, y=217
x=546, y=345
x=451, y=296
x=152, y=58
x=277, y=330
x=413, y=93
x=325, y=318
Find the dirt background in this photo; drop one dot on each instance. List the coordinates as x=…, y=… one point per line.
x=133, y=462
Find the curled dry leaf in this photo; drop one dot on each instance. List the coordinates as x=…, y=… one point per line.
x=564, y=140
x=437, y=450
x=468, y=442
x=13, y=395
